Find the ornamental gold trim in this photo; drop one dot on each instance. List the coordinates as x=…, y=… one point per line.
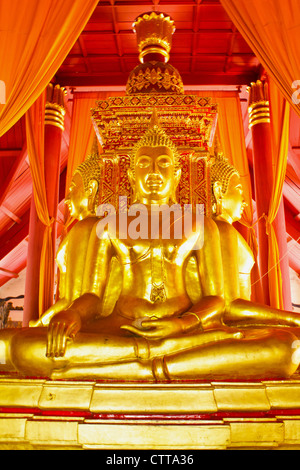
x=259, y=112
x=154, y=40
x=55, y=108
x=154, y=29
x=153, y=50
x=156, y=76
x=55, y=124
x=153, y=16
x=259, y=121
x=54, y=115
x=121, y=121
x=259, y=105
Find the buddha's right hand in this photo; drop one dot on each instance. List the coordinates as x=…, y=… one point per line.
x=64, y=325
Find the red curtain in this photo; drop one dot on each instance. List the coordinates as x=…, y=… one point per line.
x=35, y=117
x=280, y=119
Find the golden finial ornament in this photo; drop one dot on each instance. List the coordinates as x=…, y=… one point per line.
x=154, y=74
x=154, y=32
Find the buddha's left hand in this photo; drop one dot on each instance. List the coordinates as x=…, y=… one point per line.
x=156, y=328
x=63, y=326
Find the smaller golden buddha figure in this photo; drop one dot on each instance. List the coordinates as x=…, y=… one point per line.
x=237, y=258
x=82, y=201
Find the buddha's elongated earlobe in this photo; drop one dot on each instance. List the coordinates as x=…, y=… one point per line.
x=132, y=184
x=177, y=177
x=92, y=192
x=176, y=182
x=131, y=178
x=217, y=192
x=219, y=207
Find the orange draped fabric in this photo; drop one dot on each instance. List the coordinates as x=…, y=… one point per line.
x=35, y=38
x=280, y=113
x=35, y=144
x=272, y=30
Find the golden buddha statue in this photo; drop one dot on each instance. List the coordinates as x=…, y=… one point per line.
x=155, y=332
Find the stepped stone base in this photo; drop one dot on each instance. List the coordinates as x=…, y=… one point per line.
x=44, y=414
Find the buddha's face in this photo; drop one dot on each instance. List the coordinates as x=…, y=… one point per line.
x=77, y=199
x=233, y=201
x=154, y=174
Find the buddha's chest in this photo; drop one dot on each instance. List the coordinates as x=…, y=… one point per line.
x=134, y=251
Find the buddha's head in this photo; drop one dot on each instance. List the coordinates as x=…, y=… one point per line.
x=227, y=192
x=82, y=196
x=155, y=171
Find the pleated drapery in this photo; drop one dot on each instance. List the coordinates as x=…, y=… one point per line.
x=35, y=118
x=280, y=119
x=272, y=30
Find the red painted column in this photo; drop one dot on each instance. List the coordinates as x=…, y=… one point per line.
x=32, y=281
x=54, y=122
x=54, y=126
x=259, y=121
